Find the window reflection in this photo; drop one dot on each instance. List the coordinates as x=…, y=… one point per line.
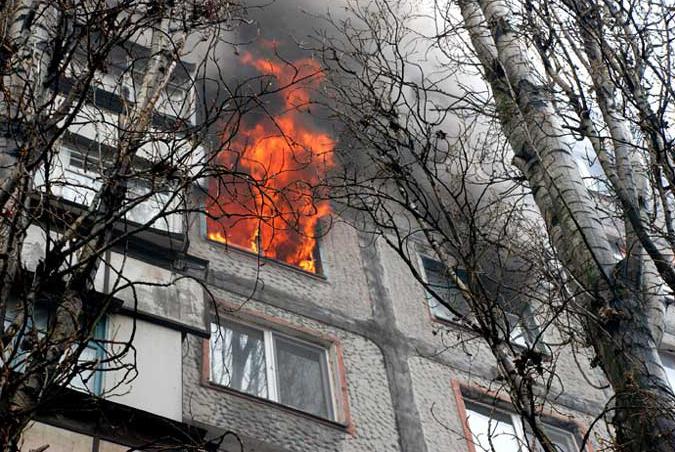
x=238, y=358
x=302, y=377
x=493, y=432
x=270, y=365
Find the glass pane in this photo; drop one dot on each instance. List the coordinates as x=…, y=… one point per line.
x=493, y=432
x=302, y=377
x=91, y=379
x=518, y=333
x=87, y=379
x=669, y=366
x=438, y=280
x=238, y=358
x=562, y=440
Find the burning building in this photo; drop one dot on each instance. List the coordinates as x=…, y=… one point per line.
x=278, y=357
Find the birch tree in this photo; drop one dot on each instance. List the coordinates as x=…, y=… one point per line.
x=463, y=113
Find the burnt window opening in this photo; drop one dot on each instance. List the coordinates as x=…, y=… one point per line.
x=295, y=249
x=273, y=192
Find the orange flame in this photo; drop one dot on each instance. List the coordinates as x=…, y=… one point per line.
x=275, y=210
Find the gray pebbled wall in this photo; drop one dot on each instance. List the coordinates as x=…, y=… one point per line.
x=368, y=396
x=399, y=363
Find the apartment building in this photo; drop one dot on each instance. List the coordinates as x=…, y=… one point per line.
x=234, y=348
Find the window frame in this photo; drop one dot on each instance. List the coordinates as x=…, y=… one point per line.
x=492, y=403
x=331, y=359
x=96, y=343
x=456, y=320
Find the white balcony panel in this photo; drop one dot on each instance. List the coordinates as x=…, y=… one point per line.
x=157, y=387
x=156, y=210
x=157, y=146
x=95, y=124
x=156, y=290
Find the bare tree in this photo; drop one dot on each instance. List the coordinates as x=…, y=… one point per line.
x=108, y=111
x=465, y=129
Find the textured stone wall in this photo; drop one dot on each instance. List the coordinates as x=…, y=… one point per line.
x=343, y=290
x=455, y=348
x=372, y=424
x=399, y=364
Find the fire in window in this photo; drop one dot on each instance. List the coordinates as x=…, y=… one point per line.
x=270, y=200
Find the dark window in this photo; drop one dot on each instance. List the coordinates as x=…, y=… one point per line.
x=441, y=286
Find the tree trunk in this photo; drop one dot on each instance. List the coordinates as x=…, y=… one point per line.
x=52, y=361
x=644, y=402
x=619, y=328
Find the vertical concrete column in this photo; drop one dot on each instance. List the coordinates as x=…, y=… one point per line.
x=395, y=350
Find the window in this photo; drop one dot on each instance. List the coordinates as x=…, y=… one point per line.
x=279, y=238
x=520, y=323
x=90, y=377
x=520, y=326
x=83, y=178
x=668, y=361
x=176, y=99
x=438, y=280
x=494, y=430
x=273, y=366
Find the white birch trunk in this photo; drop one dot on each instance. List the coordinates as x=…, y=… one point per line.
x=618, y=326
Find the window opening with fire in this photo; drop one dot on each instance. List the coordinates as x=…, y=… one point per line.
x=270, y=200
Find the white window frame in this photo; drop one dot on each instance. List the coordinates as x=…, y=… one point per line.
x=516, y=422
x=269, y=342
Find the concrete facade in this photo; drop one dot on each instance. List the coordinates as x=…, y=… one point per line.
x=398, y=377
x=399, y=369
x=395, y=369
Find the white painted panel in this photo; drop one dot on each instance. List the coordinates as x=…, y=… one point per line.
x=96, y=124
x=157, y=291
x=156, y=210
x=34, y=247
x=158, y=386
x=156, y=145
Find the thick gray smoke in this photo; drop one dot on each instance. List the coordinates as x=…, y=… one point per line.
x=281, y=31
